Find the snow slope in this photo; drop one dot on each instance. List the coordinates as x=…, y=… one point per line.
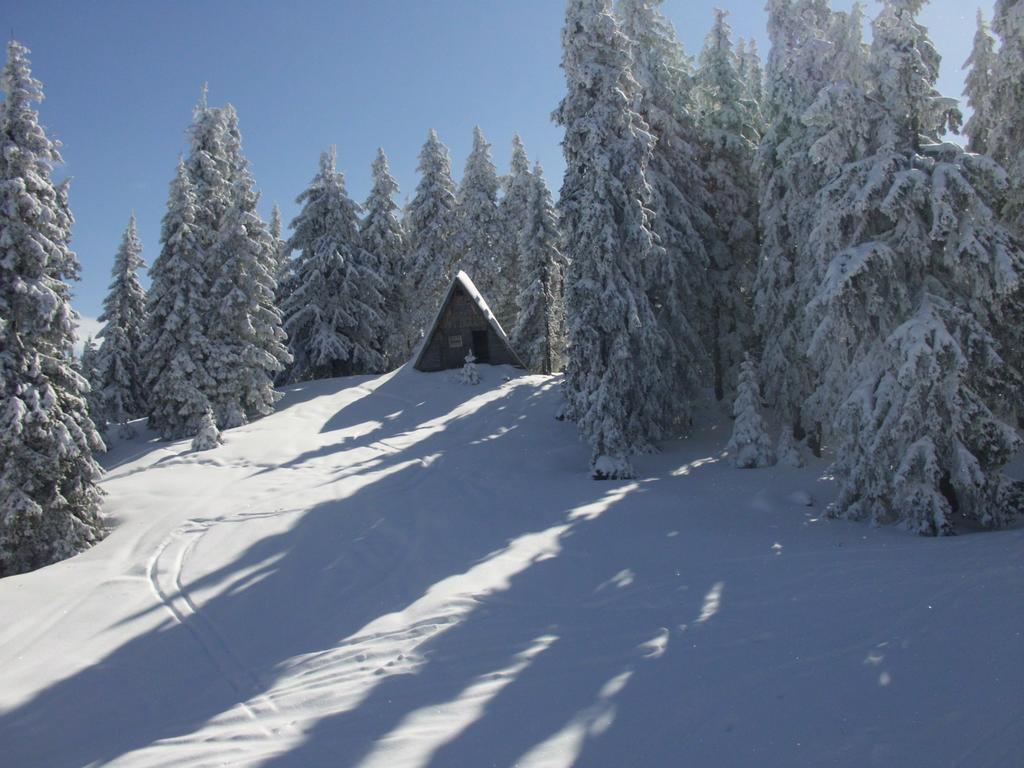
x=403, y=571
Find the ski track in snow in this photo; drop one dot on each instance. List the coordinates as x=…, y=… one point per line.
x=166, y=583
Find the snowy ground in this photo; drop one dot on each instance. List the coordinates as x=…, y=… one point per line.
x=404, y=571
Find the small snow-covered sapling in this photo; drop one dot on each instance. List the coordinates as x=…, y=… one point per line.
x=208, y=437
x=470, y=373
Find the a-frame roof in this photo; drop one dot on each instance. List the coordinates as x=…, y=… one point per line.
x=471, y=290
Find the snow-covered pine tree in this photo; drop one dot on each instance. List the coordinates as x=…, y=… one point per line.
x=749, y=446
x=677, y=274
x=1006, y=131
x=207, y=436
x=49, y=499
x=1006, y=146
x=753, y=82
x=919, y=274
x=613, y=378
x=280, y=249
x=476, y=239
x=177, y=348
x=384, y=238
x=210, y=174
x=730, y=131
x=978, y=87
x=120, y=357
x=89, y=365
x=470, y=374
x=799, y=68
x=247, y=343
x=335, y=317
x=430, y=223
x=513, y=212
x=787, y=452
x=537, y=333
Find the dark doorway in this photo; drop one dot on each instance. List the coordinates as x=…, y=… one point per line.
x=481, y=349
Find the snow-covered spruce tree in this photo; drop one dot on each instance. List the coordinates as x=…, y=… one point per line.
x=177, y=348
x=677, y=274
x=280, y=245
x=752, y=74
x=430, y=223
x=729, y=126
x=512, y=212
x=335, y=317
x=470, y=374
x=49, y=500
x=537, y=333
x=787, y=452
x=613, y=379
x=841, y=134
x=207, y=435
x=285, y=276
x=210, y=174
x=978, y=87
x=801, y=63
x=384, y=239
x=247, y=343
x=919, y=271
x=476, y=239
x=749, y=447
x=120, y=358
x=1006, y=132
x=89, y=365
x=1006, y=146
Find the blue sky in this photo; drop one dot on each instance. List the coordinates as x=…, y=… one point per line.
x=121, y=78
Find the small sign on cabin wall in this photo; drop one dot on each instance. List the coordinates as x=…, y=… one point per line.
x=455, y=342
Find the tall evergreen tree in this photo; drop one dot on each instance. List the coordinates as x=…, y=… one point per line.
x=280, y=249
x=430, y=225
x=120, y=359
x=753, y=84
x=477, y=229
x=248, y=345
x=384, y=238
x=89, y=366
x=730, y=131
x=536, y=335
x=178, y=304
x=513, y=214
x=284, y=275
x=613, y=378
x=1006, y=146
x=335, y=317
x=677, y=273
x=210, y=176
x=918, y=277
x=1006, y=134
x=978, y=87
x=49, y=499
x=799, y=67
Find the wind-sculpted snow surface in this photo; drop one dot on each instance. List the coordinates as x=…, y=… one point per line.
x=400, y=571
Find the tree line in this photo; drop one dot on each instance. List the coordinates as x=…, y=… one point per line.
x=815, y=223
x=799, y=239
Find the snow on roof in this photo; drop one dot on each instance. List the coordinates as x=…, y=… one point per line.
x=461, y=278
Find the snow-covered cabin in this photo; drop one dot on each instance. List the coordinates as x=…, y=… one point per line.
x=464, y=322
